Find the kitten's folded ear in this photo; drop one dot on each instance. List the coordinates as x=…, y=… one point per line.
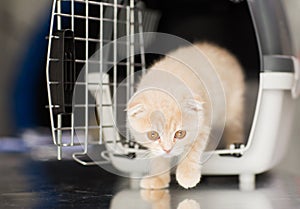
x=135, y=110
x=193, y=105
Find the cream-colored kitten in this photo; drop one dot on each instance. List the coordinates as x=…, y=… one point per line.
x=171, y=113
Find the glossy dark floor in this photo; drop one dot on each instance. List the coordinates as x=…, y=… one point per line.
x=25, y=183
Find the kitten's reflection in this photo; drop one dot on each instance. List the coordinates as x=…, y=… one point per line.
x=160, y=199
x=149, y=199
x=191, y=199
x=188, y=204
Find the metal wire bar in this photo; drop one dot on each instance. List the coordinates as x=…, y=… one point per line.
x=82, y=162
x=128, y=57
x=84, y=127
x=58, y=18
x=77, y=38
x=89, y=18
x=98, y=3
x=141, y=39
x=86, y=76
x=48, y=73
x=72, y=15
x=68, y=144
x=97, y=105
x=97, y=62
x=131, y=46
x=90, y=105
x=73, y=28
x=59, y=136
x=83, y=84
x=115, y=61
x=101, y=75
x=72, y=127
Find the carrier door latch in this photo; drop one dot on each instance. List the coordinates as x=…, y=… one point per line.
x=296, y=84
x=284, y=64
x=62, y=70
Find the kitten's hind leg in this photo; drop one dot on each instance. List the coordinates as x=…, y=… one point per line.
x=234, y=128
x=233, y=133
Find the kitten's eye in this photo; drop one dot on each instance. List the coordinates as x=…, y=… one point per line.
x=180, y=134
x=153, y=135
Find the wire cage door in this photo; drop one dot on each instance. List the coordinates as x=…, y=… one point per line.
x=83, y=82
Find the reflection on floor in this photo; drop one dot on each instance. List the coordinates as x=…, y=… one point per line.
x=215, y=193
x=26, y=183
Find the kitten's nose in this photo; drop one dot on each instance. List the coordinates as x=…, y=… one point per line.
x=167, y=150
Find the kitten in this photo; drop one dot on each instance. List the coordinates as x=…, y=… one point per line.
x=170, y=113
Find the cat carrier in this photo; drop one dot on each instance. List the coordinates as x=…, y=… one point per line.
x=97, y=47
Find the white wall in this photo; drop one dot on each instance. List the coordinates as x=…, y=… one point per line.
x=291, y=161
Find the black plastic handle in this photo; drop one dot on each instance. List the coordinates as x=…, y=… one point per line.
x=62, y=70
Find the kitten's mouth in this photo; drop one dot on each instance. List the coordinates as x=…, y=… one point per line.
x=170, y=154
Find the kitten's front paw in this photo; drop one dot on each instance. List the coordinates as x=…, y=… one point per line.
x=188, y=175
x=155, y=182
